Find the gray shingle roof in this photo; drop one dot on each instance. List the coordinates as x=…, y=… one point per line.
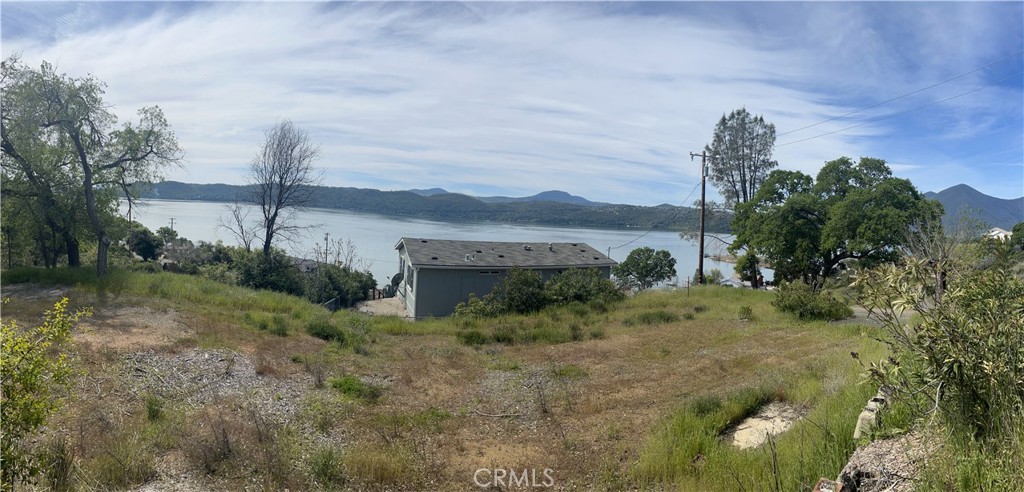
x=491, y=254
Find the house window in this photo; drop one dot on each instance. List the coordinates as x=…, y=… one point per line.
x=409, y=272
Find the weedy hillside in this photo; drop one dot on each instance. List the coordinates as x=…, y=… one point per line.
x=184, y=383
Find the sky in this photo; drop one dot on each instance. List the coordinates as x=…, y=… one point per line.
x=605, y=100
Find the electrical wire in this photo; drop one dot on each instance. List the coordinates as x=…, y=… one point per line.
x=901, y=96
x=901, y=112
x=652, y=230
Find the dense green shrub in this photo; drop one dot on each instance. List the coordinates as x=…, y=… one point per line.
x=581, y=285
x=36, y=375
x=218, y=272
x=324, y=328
x=799, y=299
x=748, y=269
x=522, y=291
x=967, y=351
x=347, y=285
x=144, y=243
x=472, y=337
x=746, y=313
x=274, y=272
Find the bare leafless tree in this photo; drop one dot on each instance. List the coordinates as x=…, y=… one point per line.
x=238, y=224
x=946, y=249
x=282, y=178
x=342, y=252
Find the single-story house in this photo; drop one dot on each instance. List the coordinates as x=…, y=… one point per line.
x=438, y=274
x=998, y=233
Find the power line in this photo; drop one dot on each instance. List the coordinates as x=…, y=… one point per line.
x=901, y=96
x=1018, y=74
x=652, y=230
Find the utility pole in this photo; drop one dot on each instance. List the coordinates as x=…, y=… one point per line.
x=172, y=224
x=700, y=243
x=327, y=243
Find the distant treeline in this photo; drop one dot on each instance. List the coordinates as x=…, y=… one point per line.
x=458, y=207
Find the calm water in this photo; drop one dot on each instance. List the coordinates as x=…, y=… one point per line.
x=375, y=236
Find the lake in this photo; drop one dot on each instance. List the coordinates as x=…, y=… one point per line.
x=375, y=236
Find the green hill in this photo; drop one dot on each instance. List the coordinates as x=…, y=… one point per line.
x=458, y=207
x=994, y=212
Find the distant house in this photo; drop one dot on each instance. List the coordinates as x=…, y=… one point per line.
x=304, y=265
x=437, y=274
x=998, y=233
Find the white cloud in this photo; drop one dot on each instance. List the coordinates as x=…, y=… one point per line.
x=596, y=100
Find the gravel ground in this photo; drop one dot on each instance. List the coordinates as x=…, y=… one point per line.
x=198, y=376
x=383, y=307
x=889, y=465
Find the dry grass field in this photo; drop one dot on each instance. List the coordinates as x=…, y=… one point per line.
x=186, y=384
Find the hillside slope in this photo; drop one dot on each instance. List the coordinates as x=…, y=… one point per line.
x=994, y=212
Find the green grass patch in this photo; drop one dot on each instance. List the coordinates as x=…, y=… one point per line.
x=194, y=291
x=326, y=468
x=325, y=328
x=569, y=371
x=687, y=451
x=380, y=465
x=656, y=317
x=355, y=388
x=503, y=364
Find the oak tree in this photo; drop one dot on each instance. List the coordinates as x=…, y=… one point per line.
x=645, y=267
x=807, y=227
x=58, y=122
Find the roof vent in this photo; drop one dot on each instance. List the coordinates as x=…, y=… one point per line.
x=423, y=240
x=501, y=256
x=550, y=248
x=467, y=257
x=433, y=257
x=526, y=247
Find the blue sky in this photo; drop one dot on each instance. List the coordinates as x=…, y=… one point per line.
x=603, y=100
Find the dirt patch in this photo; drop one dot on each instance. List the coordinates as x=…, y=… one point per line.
x=35, y=292
x=133, y=328
x=383, y=307
x=771, y=420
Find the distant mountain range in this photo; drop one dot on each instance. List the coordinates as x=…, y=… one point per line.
x=556, y=208
x=994, y=212
x=554, y=196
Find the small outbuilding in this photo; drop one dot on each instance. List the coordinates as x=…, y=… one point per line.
x=437, y=274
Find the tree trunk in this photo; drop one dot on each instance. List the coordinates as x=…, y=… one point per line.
x=266, y=243
x=269, y=236
x=44, y=250
x=101, y=255
x=90, y=207
x=10, y=248
x=72, y=246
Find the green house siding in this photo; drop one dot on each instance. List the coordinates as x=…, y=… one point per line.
x=440, y=274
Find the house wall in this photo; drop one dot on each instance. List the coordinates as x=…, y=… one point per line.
x=437, y=291
x=406, y=288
